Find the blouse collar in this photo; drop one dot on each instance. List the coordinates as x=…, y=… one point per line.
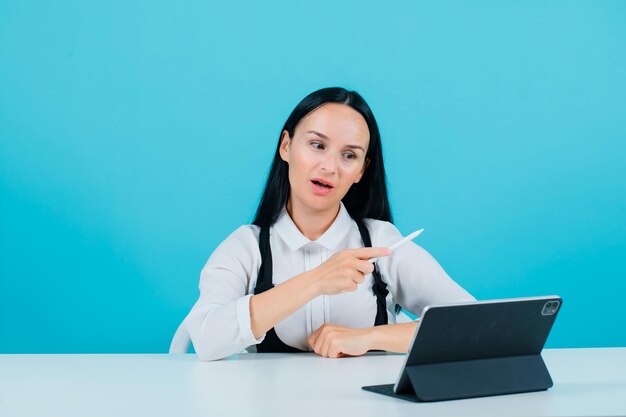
x=288, y=231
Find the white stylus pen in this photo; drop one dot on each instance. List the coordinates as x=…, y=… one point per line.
x=399, y=243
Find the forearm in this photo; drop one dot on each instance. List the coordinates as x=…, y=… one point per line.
x=393, y=337
x=272, y=306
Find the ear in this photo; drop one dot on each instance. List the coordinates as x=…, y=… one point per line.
x=365, y=165
x=285, y=142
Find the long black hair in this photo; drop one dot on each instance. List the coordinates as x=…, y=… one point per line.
x=367, y=198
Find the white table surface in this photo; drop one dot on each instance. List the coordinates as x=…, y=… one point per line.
x=587, y=382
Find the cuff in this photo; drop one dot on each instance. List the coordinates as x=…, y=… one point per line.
x=243, y=318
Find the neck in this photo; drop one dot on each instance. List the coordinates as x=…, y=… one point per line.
x=311, y=223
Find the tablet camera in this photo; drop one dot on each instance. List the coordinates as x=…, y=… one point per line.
x=550, y=308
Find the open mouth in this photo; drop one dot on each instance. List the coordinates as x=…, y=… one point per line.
x=321, y=184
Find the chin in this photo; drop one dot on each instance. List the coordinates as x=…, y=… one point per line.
x=326, y=204
x=323, y=207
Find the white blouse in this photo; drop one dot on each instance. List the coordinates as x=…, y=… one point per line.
x=219, y=322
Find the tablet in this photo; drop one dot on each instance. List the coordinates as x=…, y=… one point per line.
x=477, y=349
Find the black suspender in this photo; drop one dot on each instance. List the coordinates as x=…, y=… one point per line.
x=272, y=343
x=264, y=281
x=379, y=288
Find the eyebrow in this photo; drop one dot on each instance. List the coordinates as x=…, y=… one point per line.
x=323, y=136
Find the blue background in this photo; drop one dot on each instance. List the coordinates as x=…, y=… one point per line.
x=136, y=136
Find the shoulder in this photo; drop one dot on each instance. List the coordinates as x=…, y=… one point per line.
x=242, y=243
x=382, y=233
x=248, y=233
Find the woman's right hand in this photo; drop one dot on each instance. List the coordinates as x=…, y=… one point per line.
x=343, y=271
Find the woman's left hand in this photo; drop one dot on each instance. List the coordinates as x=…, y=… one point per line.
x=332, y=341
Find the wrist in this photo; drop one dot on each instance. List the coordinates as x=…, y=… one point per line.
x=375, y=338
x=311, y=284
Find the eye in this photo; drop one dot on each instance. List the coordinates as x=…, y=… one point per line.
x=349, y=155
x=317, y=145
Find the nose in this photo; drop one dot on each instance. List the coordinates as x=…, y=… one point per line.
x=329, y=164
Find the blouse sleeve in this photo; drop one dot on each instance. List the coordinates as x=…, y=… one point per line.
x=413, y=276
x=219, y=322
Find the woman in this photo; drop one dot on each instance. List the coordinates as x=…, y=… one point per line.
x=298, y=278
